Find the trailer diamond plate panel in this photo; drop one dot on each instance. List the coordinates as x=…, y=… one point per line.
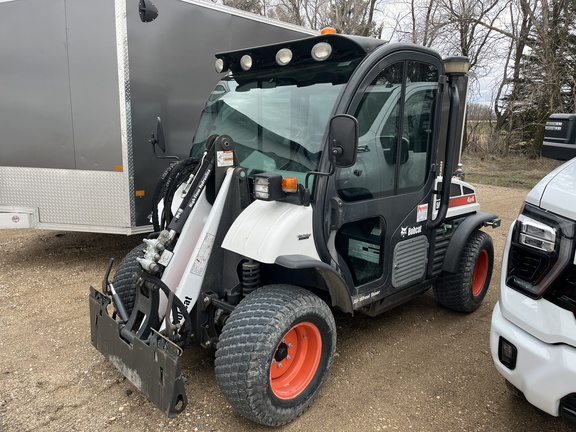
x=68, y=197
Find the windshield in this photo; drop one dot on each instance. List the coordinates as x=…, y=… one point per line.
x=276, y=119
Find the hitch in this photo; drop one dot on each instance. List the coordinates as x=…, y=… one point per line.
x=494, y=223
x=151, y=365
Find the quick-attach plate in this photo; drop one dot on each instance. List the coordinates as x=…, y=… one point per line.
x=151, y=366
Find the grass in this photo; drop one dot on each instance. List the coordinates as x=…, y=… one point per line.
x=512, y=171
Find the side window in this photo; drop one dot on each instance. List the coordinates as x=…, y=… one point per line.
x=418, y=123
x=378, y=120
x=395, y=119
x=360, y=244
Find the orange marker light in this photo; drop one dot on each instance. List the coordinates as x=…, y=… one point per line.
x=328, y=30
x=290, y=184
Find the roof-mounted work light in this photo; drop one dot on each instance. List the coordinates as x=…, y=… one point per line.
x=221, y=65
x=246, y=62
x=321, y=51
x=284, y=56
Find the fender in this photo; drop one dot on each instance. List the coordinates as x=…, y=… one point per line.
x=266, y=230
x=280, y=234
x=458, y=240
x=321, y=275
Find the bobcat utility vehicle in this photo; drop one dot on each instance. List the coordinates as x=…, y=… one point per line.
x=314, y=184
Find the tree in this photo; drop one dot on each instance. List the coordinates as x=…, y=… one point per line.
x=540, y=80
x=253, y=6
x=416, y=21
x=354, y=17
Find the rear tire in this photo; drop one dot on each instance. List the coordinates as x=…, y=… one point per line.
x=275, y=353
x=123, y=281
x=464, y=290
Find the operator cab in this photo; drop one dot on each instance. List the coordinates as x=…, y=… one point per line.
x=277, y=102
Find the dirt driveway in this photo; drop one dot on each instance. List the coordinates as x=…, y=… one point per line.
x=419, y=367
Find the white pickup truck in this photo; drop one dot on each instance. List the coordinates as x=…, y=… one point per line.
x=533, y=334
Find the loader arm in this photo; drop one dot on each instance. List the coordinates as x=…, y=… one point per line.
x=145, y=347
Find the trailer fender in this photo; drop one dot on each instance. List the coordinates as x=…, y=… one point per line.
x=320, y=275
x=458, y=240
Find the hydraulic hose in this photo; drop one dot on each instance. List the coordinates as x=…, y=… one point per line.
x=159, y=194
x=177, y=303
x=168, y=183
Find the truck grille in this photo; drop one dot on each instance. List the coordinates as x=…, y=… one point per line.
x=568, y=407
x=563, y=292
x=526, y=265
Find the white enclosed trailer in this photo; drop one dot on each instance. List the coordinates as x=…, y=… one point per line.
x=82, y=83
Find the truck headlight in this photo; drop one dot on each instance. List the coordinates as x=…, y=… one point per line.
x=541, y=249
x=536, y=234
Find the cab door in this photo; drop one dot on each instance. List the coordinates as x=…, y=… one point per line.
x=380, y=205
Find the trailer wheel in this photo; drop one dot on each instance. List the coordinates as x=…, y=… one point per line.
x=464, y=290
x=275, y=353
x=123, y=281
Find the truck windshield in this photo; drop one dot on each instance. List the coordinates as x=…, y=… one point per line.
x=277, y=119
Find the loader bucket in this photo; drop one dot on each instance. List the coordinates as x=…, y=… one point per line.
x=151, y=365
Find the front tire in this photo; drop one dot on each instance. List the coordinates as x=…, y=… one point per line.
x=275, y=353
x=464, y=290
x=123, y=281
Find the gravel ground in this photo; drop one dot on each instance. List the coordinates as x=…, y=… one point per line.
x=418, y=367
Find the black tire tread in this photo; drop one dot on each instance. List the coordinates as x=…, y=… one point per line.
x=123, y=281
x=454, y=290
x=244, y=350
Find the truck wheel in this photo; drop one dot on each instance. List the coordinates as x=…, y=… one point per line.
x=464, y=290
x=275, y=353
x=123, y=278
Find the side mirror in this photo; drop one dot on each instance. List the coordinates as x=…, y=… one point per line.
x=343, y=138
x=148, y=11
x=158, y=139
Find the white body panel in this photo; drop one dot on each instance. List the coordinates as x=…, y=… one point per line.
x=544, y=372
x=189, y=286
x=463, y=204
x=267, y=230
x=185, y=246
x=557, y=191
x=544, y=334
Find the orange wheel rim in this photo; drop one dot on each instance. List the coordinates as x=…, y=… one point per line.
x=480, y=273
x=295, y=360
